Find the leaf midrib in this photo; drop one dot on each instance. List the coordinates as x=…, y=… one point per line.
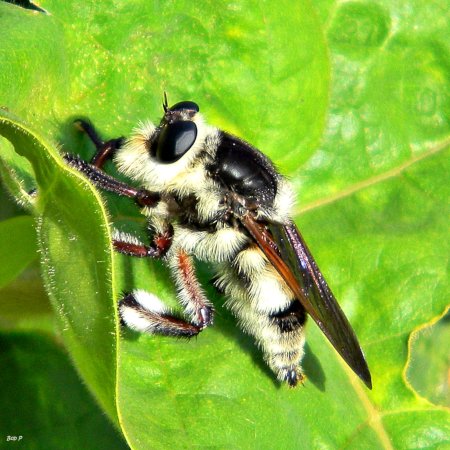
x=372, y=181
x=373, y=415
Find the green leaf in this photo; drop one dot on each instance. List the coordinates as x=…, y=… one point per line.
x=223, y=61
x=8, y=206
x=76, y=276
x=17, y=253
x=17, y=176
x=429, y=363
x=373, y=199
x=23, y=300
x=24, y=303
x=44, y=405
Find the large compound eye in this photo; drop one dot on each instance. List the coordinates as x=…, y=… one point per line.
x=175, y=140
x=185, y=105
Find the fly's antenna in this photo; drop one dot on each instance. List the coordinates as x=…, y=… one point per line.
x=165, y=104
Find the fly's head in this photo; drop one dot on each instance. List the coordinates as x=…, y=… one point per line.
x=168, y=156
x=177, y=132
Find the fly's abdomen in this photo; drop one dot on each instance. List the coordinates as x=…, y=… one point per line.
x=266, y=308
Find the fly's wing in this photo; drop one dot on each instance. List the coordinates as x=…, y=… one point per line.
x=285, y=248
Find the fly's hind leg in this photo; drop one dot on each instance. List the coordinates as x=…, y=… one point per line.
x=146, y=313
x=190, y=293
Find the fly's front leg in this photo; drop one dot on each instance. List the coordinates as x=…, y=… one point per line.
x=142, y=197
x=105, y=150
x=94, y=172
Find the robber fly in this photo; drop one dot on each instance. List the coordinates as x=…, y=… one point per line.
x=209, y=195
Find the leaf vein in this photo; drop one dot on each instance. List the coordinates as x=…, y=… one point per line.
x=372, y=181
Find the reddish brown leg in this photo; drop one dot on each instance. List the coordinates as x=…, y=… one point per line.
x=128, y=245
x=104, y=181
x=105, y=150
x=190, y=292
x=144, y=312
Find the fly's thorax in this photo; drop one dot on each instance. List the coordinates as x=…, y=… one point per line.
x=280, y=211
